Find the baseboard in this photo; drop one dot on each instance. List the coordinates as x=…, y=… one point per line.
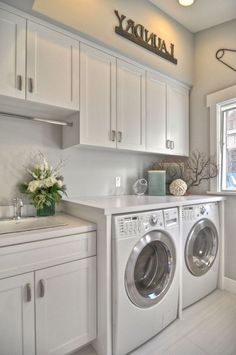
x=230, y=285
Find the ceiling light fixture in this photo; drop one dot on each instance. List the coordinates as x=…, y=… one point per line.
x=186, y=2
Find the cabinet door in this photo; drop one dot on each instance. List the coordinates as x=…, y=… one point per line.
x=17, y=315
x=178, y=119
x=12, y=58
x=98, y=97
x=52, y=67
x=156, y=114
x=130, y=106
x=65, y=307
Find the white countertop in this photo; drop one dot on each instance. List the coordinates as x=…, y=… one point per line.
x=132, y=203
x=71, y=226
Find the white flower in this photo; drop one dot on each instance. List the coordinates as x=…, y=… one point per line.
x=33, y=185
x=59, y=183
x=32, y=173
x=50, y=181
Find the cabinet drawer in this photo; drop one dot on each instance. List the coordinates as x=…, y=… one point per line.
x=18, y=259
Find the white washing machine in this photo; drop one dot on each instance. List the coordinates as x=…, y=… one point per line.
x=145, y=276
x=200, y=246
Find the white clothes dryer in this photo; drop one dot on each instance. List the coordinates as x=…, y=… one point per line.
x=200, y=248
x=145, y=276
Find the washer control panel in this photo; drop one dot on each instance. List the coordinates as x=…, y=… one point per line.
x=130, y=225
x=171, y=217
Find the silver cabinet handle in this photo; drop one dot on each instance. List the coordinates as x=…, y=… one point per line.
x=113, y=135
x=172, y=145
x=168, y=144
x=28, y=292
x=41, y=288
x=119, y=136
x=30, y=85
x=19, y=82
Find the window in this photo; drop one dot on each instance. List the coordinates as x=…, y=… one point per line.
x=228, y=153
x=222, y=105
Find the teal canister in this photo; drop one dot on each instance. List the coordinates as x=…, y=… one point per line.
x=157, y=182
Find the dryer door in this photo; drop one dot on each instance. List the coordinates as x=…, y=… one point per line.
x=201, y=247
x=150, y=269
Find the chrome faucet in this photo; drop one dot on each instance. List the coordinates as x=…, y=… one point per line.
x=17, y=204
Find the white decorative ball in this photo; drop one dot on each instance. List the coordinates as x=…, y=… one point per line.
x=178, y=187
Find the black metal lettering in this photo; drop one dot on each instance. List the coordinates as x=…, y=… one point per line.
x=120, y=18
x=130, y=25
x=163, y=47
x=138, y=31
x=142, y=37
x=172, y=50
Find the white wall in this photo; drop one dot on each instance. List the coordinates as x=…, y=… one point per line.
x=86, y=171
x=209, y=76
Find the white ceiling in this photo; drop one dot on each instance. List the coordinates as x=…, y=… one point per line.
x=201, y=15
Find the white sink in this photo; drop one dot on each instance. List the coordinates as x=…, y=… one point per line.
x=28, y=224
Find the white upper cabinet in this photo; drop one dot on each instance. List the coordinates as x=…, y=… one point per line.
x=167, y=125
x=97, y=97
x=17, y=315
x=156, y=125
x=52, y=67
x=178, y=119
x=12, y=57
x=65, y=307
x=130, y=106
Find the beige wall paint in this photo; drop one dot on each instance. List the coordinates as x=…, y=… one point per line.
x=209, y=76
x=96, y=19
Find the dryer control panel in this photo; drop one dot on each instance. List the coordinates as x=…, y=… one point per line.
x=197, y=211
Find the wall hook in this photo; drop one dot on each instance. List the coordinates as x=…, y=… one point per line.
x=220, y=54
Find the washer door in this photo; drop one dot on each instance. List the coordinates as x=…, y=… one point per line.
x=150, y=269
x=201, y=247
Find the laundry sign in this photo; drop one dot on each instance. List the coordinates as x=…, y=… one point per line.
x=138, y=34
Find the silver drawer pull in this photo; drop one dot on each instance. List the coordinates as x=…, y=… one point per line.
x=19, y=82
x=113, y=135
x=119, y=136
x=28, y=292
x=41, y=288
x=30, y=85
x=168, y=144
x=172, y=144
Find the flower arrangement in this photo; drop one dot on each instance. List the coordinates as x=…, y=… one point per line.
x=46, y=186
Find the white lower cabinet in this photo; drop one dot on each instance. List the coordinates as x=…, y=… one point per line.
x=17, y=336
x=65, y=307
x=49, y=311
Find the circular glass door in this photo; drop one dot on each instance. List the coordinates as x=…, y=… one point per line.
x=150, y=269
x=201, y=247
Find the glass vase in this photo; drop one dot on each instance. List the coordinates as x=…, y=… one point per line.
x=46, y=210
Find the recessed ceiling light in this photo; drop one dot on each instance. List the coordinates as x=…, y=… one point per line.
x=186, y=2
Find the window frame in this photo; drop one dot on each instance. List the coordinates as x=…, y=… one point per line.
x=223, y=133
x=218, y=102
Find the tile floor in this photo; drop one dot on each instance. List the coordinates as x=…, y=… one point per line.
x=207, y=328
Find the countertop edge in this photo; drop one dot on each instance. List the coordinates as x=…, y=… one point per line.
x=151, y=206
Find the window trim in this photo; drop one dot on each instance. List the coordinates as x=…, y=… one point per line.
x=223, y=133
x=218, y=102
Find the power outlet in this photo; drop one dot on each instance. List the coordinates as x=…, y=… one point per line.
x=118, y=181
